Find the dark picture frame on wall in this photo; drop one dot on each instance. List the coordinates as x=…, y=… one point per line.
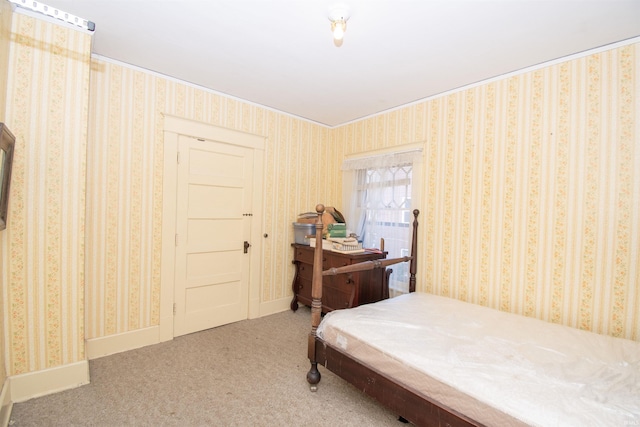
x=7, y=143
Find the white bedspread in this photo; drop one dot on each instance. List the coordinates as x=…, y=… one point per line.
x=495, y=366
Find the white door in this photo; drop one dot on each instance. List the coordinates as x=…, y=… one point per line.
x=213, y=223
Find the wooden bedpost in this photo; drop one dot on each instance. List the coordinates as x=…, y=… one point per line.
x=414, y=252
x=313, y=376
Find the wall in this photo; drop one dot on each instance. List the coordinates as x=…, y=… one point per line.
x=5, y=37
x=124, y=203
x=43, y=256
x=532, y=190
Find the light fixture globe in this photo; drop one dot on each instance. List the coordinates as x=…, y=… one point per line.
x=338, y=28
x=338, y=15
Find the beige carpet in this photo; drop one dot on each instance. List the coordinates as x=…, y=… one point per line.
x=250, y=373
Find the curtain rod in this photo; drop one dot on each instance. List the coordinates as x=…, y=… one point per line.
x=381, y=160
x=392, y=153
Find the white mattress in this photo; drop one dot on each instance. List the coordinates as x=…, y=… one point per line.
x=498, y=368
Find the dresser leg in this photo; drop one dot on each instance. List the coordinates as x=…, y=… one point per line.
x=294, y=287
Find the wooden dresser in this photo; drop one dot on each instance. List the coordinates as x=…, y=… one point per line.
x=340, y=291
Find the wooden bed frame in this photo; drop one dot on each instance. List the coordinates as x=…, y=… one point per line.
x=409, y=404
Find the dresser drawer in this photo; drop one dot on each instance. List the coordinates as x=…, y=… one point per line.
x=303, y=255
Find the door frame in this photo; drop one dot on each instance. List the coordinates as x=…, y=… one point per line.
x=174, y=127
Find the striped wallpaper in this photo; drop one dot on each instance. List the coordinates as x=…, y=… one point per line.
x=5, y=37
x=43, y=245
x=531, y=191
x=124, y=203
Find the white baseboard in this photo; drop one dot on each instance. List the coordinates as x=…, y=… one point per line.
x=277, y=306
x=47, y=381
x=112, y=344
x=6, y=404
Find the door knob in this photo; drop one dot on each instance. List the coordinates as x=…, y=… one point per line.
x=246, y=246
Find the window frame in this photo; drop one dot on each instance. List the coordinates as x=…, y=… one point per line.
x=417, y=176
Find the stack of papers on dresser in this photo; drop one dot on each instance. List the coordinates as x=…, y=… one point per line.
x=345, y=245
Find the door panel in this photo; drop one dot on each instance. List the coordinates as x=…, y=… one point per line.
x=225, y=293
x=212, y=270
x=206, y=201
x=220, y=235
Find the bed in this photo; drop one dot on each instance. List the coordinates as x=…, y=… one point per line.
x=460, y=364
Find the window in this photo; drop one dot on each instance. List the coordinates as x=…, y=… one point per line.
x=379, y=196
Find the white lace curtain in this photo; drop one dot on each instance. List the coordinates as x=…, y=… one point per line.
x=378, y=191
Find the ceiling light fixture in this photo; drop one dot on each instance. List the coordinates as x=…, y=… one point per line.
x=338, y=15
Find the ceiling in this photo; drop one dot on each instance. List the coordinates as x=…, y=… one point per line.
x=280, y=53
